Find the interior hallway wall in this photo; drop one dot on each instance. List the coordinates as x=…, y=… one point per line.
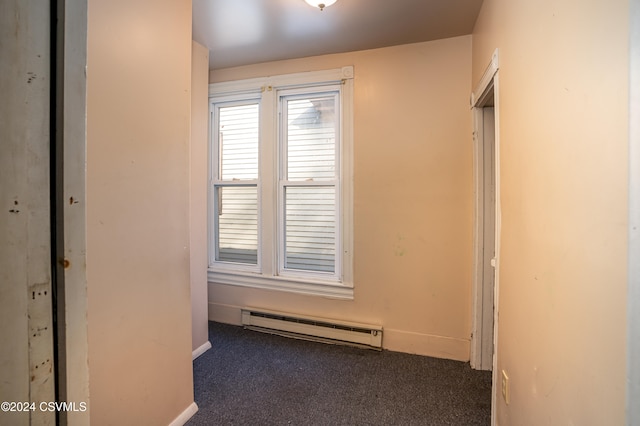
x=198, y=172
x=138, y=130
x=563, y=105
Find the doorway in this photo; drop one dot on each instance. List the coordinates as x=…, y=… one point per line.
x=485, y=239
x=486, y=222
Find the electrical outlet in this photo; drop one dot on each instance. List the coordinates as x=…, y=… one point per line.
x=505, y=387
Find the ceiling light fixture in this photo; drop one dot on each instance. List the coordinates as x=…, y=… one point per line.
x=320, y=4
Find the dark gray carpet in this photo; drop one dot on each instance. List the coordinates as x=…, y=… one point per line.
x=251, y=378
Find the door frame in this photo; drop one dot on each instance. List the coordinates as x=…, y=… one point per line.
x=484, y=233
x=484, y=349
x=70, y=208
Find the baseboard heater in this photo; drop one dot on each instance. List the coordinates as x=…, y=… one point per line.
x=311, y=328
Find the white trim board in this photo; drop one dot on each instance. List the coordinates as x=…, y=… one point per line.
x=225, y=314
x=478, y=96
x=299, y=286
x=74, y=217
x=484, y=237
x=486, y=87
x=259, y=84
x=426, y=344
x=184, y=417
x=200, y=350
x=394, y=340
x=486, y=79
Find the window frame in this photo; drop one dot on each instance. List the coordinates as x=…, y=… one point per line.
x=268, y=273
x=284, y=181
x=216, y=182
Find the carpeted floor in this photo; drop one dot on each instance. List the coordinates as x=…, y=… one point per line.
x=251, y=378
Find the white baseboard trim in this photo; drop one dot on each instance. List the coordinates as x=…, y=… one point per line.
x=426, y=344
x=393, y=340
x=200, y=350
x=184, y=417
x=226, y=314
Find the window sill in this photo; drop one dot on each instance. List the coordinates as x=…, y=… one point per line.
x=309, y=288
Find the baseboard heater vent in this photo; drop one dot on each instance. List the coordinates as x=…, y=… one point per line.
x=310, y=328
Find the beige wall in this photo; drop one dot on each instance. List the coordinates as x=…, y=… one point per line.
x=563, y=109
x=198, y=172
x=412, y=198
x=138, y=128
x=633, y=293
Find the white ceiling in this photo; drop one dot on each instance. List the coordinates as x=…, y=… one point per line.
x=241, y=32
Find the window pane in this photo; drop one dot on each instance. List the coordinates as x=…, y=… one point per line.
x=311, y=138
x=238, y=133
x=310, y=228
x=237, y=224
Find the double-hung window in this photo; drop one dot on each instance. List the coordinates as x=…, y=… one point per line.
x=280, y=189
x=236, y=183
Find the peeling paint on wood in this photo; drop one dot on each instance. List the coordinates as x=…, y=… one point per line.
x=26, y=362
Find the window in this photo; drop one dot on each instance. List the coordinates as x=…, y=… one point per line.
x=280, y=189
x=236, y=186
